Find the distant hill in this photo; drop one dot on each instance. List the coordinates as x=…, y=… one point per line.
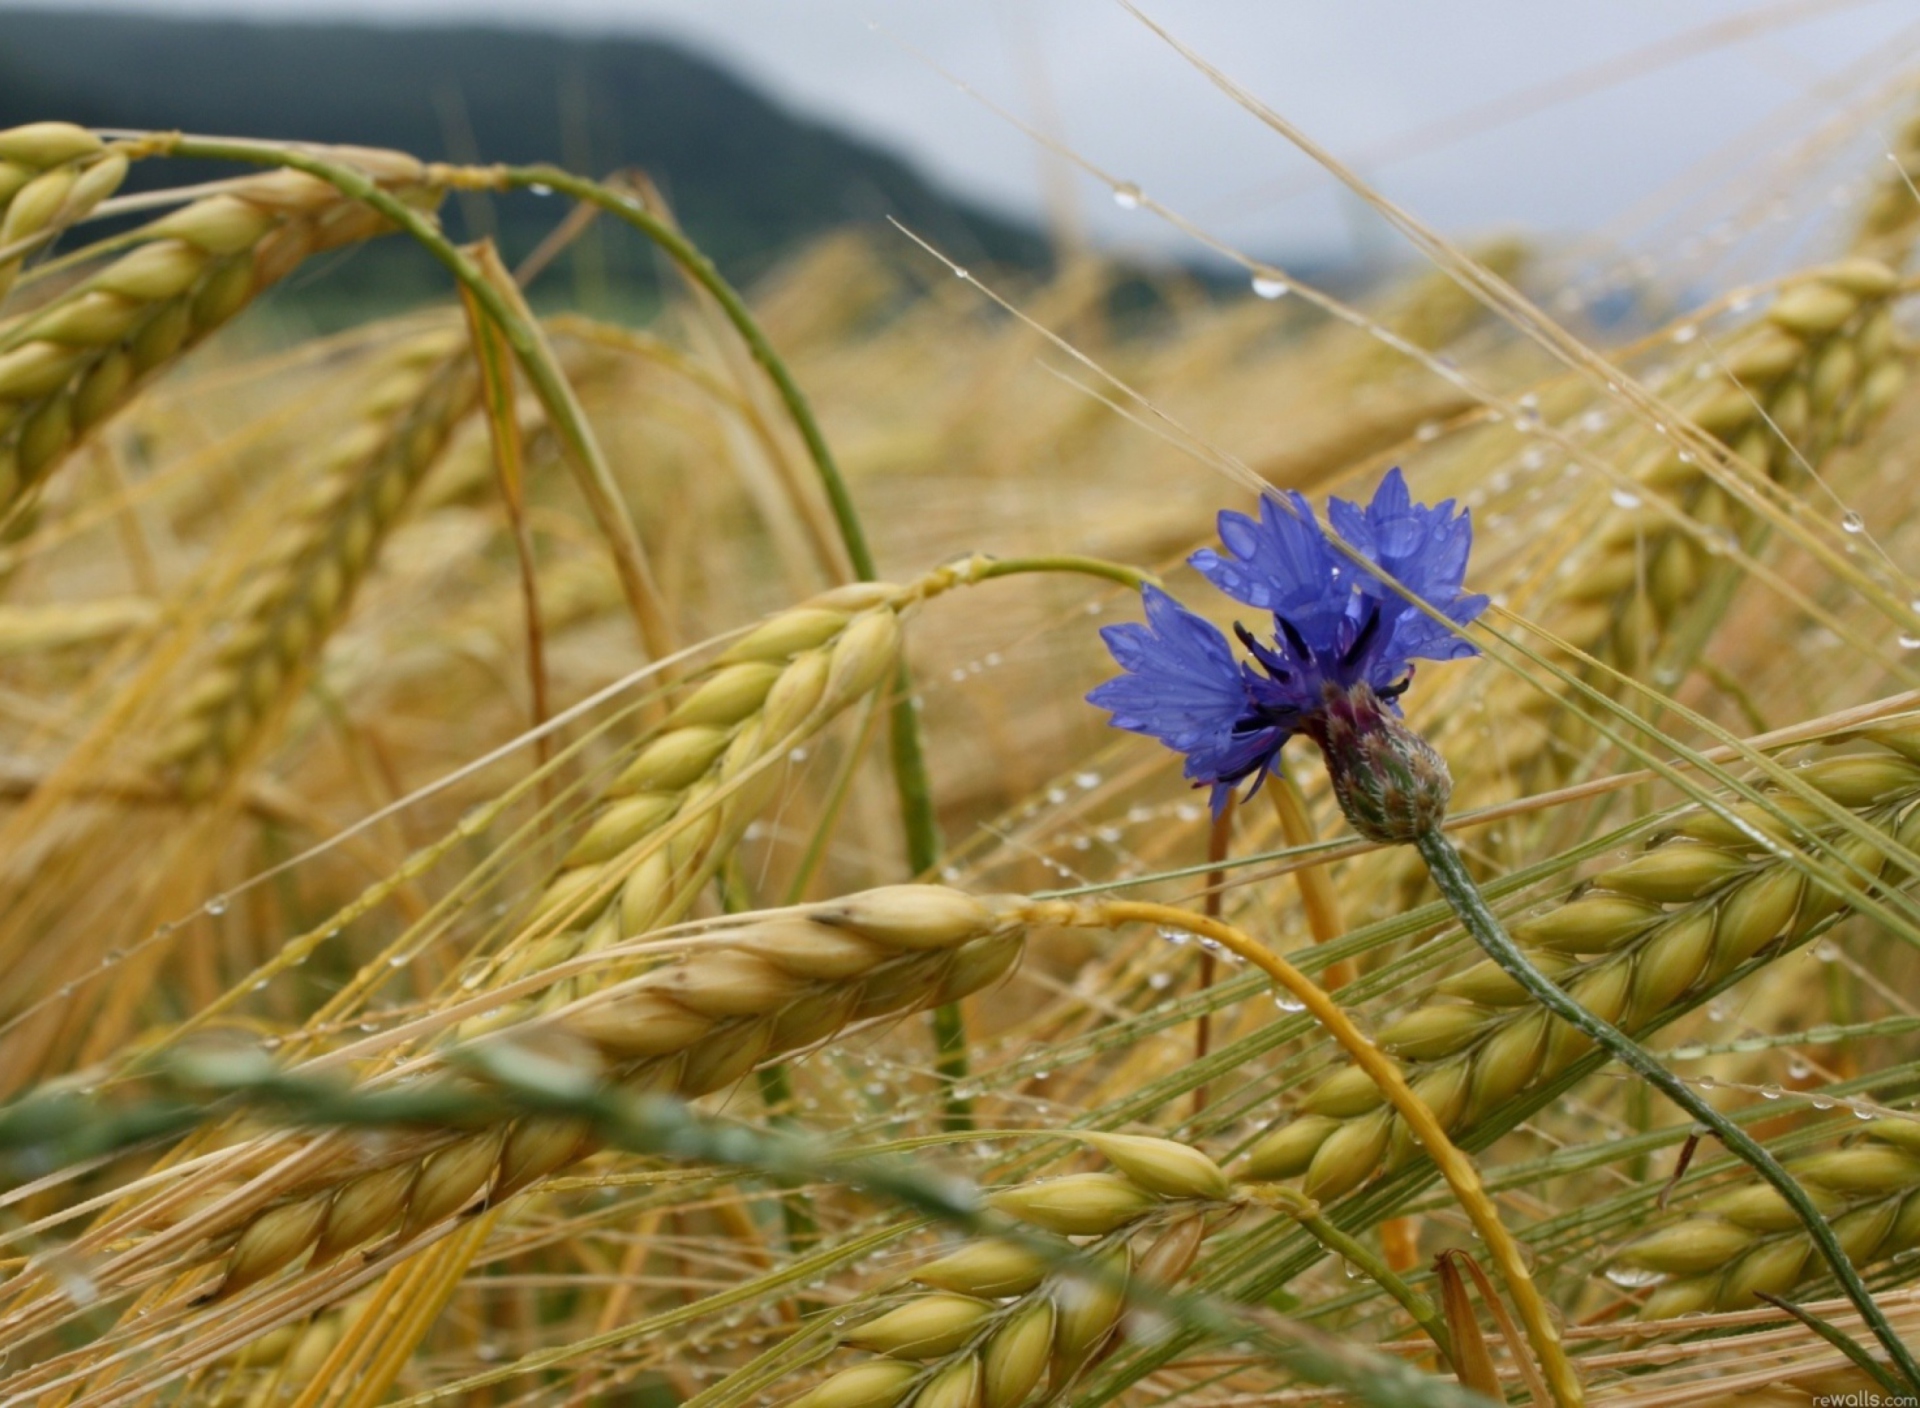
x=749, y=180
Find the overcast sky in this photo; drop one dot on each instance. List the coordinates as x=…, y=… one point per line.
x=1648, y=96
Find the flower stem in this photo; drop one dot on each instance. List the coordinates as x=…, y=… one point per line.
x=1450, y=874
x=1462, y=1177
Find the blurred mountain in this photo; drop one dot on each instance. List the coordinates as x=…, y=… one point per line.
x=749, y=180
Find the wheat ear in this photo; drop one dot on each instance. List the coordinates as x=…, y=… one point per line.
x=1746, y=1242
x=1886, y=224
x=658, y=832
x=1645, y=938
x=1813, y=373
x=303, y=582
x=52, y=174
x=998, y=1318
x=696, y=1025
x=67, y=366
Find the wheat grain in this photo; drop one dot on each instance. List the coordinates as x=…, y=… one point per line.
x=52, y=174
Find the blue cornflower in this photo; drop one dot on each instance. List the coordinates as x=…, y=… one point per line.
x=1343, y=643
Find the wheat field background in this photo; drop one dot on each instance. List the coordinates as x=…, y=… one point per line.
x=545, y=860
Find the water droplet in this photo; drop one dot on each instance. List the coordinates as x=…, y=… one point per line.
x=1821, y=1102
x=1624, y=498
x=960, y=273
x=1127, y=196
x=79, y=1288
x=1909, y=641
x=1798, y=1069
x=1851, y=522
x=1086, y=781
x=1770, y=1092
x=1861, y=1114
x=1826, y=951
x=1685, y=333
x=1427, y=430
x=1287, y=1002
x=1160, y=982
x=1267, y=286
x=1633, y=1277
x=217, y=906
x=1173, y=935
x=540, y=188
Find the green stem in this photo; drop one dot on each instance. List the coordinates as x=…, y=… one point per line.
x=698, y=267
x=1306, y=1212
x=1457, y=884
x=909, y=756
x=1118, y=572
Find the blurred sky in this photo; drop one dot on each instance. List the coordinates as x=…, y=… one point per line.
x=1651, y=96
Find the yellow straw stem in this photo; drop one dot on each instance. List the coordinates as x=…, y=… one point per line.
x=1317, y=895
